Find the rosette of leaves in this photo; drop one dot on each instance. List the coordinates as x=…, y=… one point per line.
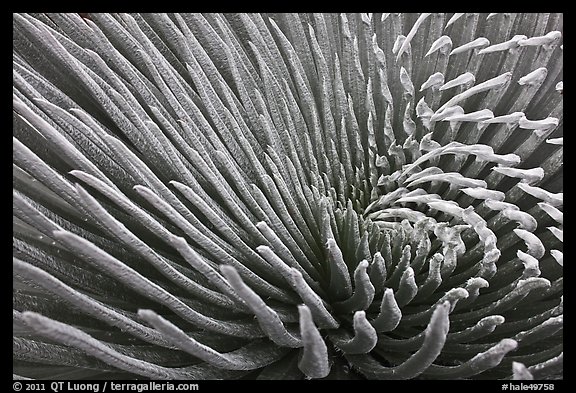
x=205, y=196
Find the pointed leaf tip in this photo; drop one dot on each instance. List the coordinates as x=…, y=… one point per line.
x=444, y=44
x=390, y=313
x=314, y=358
x=535, y=77
x=365, y=336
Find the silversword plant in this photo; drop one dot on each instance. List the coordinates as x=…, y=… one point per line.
x=286, y=196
